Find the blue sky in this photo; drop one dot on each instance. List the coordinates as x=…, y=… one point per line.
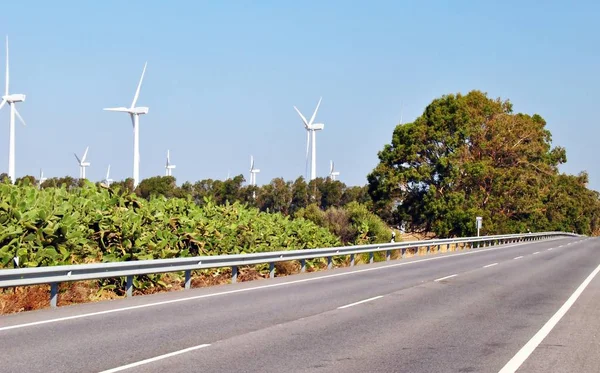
x=223, y=76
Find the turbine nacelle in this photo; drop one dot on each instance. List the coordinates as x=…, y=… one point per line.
x=317, y=126
x=17, y=97
x=139, y=110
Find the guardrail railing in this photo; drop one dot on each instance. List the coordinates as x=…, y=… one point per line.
x=54, y=275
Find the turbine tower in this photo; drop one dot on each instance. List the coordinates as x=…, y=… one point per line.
x=11, y=100
x=169, y=167
x=108, y=180
x=82, y=163
x=42, y=179
x=311, y=138
x=332, y=173
x=134, y=113
x=253, y=171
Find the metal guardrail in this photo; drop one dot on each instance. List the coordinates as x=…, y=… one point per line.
x=54, y=275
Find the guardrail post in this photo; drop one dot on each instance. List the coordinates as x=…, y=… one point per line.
x=129, y=286
x=271, y=269
x=54, y=294
x=428, y=249
x=351, y=260
x=302, y=265
x=234, y=273
x=403, y=253
x=188, y=279
x=329, y=262
x=371, y=257
x=388, y=255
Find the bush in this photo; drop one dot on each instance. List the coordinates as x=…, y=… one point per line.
x=354, y=223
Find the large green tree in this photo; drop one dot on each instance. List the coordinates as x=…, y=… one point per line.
x=466, y=156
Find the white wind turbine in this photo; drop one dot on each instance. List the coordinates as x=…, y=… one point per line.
x=42, y=179
x=253, y=171
x=11, y=100
x=169, y=167
x=108, y=180
x=332, y=173
x=135, y=113
x=311, y=138
x=82, y=163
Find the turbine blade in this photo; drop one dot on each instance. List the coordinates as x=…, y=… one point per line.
x=315, y=113
x=7, y=73
x=307, y=143
x=137, y=92
x=251, y=162
x=78, y=160
x=19, y=115
x=120, y=109
x=132, y=120
x=85, y=154
x=108, y=173
x=2, y=104
x=302, y=116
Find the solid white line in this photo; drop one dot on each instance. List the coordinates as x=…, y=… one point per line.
x=443, y=278
x=530, y=346
x=362, y=301
x=142, y=362
x=519, y=257
x=537, y=252
x=490, y=265
x=35, y=323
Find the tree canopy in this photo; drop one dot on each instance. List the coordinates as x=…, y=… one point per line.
x=470, y=155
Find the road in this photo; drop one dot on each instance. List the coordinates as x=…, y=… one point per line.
x=470, y=311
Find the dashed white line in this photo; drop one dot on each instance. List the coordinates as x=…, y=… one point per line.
x=443, y=278
x=142, y=362
x=490, y=265
x=530, y=346
x=537, y=252
x=362, y=301
x=519, y=257
x=550, y=249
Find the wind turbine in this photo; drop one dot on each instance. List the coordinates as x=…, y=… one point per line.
x=311, y=138
x=82, y=163
x=169, y=167
x=134, y=113
x=332, y=174
x=253, y=171
x=42, y=179
x=11, y=100
x=108, y=180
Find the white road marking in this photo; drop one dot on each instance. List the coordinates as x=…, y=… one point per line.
x=490, y=265
x=519, y=257
x=443, y=278
x=550, y=249
x=140, y=306
x=537, y=252
x=142, y=362
x=530, y=346
x=362, y=301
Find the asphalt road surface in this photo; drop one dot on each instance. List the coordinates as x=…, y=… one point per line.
x=529, y=307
